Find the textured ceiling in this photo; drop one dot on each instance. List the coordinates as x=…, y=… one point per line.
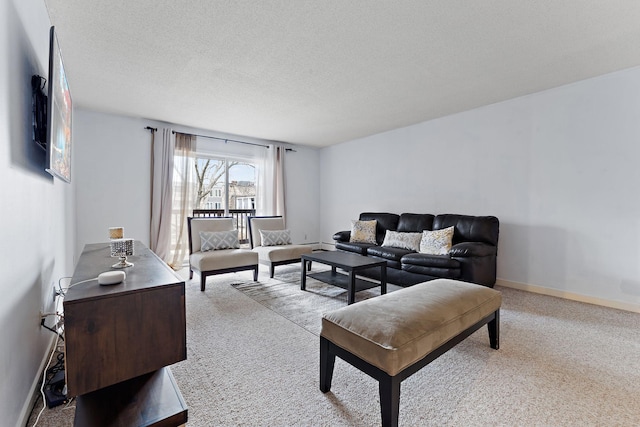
x=322, y=72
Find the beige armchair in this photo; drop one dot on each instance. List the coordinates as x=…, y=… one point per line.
x=273, y=245
x=214, y=249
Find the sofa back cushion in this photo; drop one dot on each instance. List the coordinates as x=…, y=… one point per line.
x=470, y=228
x=386, y=221
x=415, y=223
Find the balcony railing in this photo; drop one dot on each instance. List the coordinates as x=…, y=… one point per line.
x=240, y=218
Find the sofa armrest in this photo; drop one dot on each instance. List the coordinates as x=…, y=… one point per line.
x=342, y=236
x=472, y=249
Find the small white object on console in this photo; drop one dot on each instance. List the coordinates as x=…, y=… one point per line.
x=111, y=277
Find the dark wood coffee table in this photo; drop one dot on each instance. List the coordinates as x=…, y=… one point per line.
x=351, y=263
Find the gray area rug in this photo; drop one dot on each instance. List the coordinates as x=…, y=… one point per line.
x=252, y=360
x=282, y=294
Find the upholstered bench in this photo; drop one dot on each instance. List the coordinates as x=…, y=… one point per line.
x=392, y=336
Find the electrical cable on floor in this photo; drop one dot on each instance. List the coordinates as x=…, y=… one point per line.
x=44, y=381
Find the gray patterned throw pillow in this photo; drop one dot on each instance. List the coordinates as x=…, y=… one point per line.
x=215, y=240
x=395, y=239
x=363, y=231
x=437, y=242
x=275, y=237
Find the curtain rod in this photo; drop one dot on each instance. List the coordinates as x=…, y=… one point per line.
x=232, y=140
x=224, y=139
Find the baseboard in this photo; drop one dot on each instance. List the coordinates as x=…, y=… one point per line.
x=327, y=246
x=316, y=246
x=569, y=295
x=34, y=390
x=545, y=291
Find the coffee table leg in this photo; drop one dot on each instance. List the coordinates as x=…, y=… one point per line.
x=303, y=275
x=383, y=279
x=351, y=289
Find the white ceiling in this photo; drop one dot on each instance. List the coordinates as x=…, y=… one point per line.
x=320, y=72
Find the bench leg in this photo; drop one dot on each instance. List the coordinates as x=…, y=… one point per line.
x=389, y=388
x=327, y=361
x=203, y=281
x=494, y=331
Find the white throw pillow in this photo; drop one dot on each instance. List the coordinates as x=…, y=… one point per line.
x=363, y=231
x=436, y=242
x=396, y=239
x=215, y=240
x=275, y=237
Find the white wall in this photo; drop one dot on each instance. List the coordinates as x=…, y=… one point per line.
x=558, y=168
x=113, y=178
x=38, y=212
x=112, y=157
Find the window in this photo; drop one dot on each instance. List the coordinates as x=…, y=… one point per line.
x=225, y=183
x=227, y=186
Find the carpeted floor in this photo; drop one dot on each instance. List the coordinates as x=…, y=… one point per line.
x=252, y=353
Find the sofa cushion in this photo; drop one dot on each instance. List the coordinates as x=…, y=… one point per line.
x=217, y=240
x=410, y=222
x=470, y=228
x=391, y=254
x=436, y=242
x=363, y=231
x=410, y=241
x=358, y=248
x=425, y=260
x=386, y=221
x=448, y=273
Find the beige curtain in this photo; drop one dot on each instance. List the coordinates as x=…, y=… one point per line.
x=183, y=197
x=161, y=190
x=275, y=201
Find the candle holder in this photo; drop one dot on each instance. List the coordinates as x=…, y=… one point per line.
x=122, y=248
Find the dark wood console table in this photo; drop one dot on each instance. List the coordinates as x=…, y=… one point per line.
x=120, y=338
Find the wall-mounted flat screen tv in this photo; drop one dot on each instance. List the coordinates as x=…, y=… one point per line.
x=59, y=112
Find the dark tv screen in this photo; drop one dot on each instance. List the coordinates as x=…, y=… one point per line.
x=59, y=112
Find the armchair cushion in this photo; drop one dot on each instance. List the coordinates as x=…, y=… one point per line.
x=216, y=240
x=222, y=259
x=281, y=253
x=275, y=237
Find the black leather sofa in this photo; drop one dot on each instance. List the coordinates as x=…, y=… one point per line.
x=472, y=257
